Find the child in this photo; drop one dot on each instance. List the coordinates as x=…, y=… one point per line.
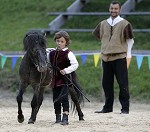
x=63, y=62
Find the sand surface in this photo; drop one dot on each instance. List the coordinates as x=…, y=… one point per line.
x=137, y=121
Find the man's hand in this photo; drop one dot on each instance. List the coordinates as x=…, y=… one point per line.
x=128, y=62
x=130, y=43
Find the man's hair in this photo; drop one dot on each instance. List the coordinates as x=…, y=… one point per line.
x=63, y=34
x=116, y=2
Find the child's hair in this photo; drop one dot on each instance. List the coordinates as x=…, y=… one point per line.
x=62, y=34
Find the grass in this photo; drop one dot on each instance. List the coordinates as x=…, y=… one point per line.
x=17, y=17
x=139, y=79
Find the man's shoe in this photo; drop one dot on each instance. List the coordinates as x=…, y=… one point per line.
x=103, y=111
x=124, y=112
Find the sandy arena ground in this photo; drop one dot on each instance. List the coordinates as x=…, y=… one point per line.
x=137, y=121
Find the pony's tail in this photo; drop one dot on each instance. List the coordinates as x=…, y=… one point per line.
x=76, y=82
x=76, y=92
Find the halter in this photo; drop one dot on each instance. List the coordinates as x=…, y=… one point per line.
x=33, y=61
x=33, y=56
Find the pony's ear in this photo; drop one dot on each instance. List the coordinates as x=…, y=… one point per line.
x=25, y=43
x=25, y=40
x=44, y=34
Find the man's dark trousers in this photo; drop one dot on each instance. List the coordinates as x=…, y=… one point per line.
x=116, y=68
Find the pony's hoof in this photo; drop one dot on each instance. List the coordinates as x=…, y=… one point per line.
x=81, y=119
x=20, y=118
x=31, y=121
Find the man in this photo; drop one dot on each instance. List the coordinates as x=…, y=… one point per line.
x=116, y=38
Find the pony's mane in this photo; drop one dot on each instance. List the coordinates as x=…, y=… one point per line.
x=33, y=38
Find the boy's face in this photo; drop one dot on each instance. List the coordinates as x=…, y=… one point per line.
x=114, y=9
x=61, y=43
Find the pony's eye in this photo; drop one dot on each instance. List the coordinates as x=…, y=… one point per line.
x=34, y=51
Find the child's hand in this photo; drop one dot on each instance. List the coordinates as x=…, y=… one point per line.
x=62, y=72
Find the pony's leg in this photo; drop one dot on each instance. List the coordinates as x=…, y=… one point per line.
x=75, y=99
x=35, y=104
x=19, y=98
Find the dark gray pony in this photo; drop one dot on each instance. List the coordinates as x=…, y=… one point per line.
x=35, y=71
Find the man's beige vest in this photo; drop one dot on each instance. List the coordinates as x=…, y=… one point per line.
x=114, y=45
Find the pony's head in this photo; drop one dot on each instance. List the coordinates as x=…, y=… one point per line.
x=35, y=45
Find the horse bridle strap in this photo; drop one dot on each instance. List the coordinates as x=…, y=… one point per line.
x=33, y=61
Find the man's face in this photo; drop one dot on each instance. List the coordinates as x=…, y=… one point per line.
x=114, y=9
